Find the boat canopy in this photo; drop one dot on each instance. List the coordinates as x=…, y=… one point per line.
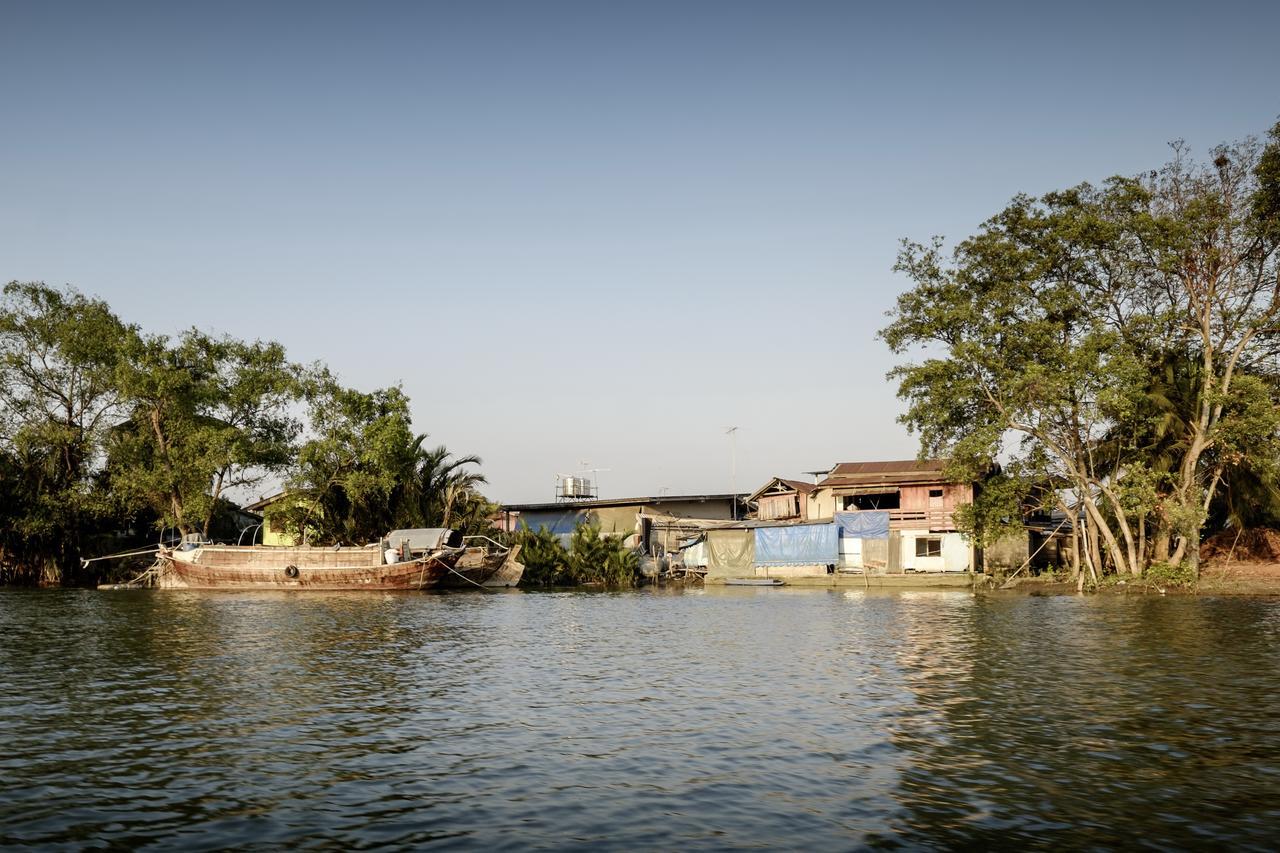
x=426, y=538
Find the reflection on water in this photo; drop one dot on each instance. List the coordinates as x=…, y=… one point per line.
x=712, y=719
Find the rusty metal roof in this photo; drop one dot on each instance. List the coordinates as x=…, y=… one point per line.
x=896, y=472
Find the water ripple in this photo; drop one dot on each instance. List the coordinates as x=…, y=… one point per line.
x=717, y=719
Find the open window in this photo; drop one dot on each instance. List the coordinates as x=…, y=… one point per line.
x=873, y=500
x=928, y=546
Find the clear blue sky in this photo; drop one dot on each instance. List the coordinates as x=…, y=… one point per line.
x=582, y=231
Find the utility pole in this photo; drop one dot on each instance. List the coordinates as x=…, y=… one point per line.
x=732, y=432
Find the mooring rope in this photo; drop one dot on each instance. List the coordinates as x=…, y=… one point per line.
x=467, y=579
x=121, y=554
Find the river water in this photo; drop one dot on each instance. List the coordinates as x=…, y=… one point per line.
x=694, y=720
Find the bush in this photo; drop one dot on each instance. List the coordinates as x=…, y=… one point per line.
x=1164, y=573
x=546, y=562
x=590, y=558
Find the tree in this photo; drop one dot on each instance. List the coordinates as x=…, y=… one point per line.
x=207, y=415
x=443, y=489
x=1059, y=322
x=353, y=474
x=59, y=351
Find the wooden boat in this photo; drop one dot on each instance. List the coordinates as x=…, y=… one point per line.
x=753, y=582
x=490, y=565
x=405, y=560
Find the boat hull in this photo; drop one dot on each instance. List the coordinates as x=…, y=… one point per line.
x=227, y=567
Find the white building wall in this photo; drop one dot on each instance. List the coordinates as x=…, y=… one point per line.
x=955, y=552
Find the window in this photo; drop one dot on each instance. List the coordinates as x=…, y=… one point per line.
x=935, y=493
x=884, y=500
x=928, y=546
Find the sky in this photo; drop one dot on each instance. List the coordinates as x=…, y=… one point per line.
x=583, y=235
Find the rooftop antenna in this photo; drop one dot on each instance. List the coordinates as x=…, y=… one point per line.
x=732, y=432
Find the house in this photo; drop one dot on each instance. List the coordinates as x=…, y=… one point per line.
x=889, y=517
x=274, y=510
x=896, y=516
x=781, y=500
x=659, y=521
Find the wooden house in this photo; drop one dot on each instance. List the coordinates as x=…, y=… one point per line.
x=919, y=502
x=782, y=500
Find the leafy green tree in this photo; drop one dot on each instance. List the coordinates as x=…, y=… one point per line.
x=206, y=415
x=59, y=351
x=354, y=473
x=1053, y=325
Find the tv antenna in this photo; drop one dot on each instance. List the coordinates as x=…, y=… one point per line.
x=732, y=432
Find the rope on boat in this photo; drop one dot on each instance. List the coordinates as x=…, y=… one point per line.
x=121, y=554
x=149, y=575
x=467, y=579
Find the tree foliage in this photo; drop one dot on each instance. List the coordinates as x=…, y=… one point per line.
x=590, y=558
x=59, y=353
x=363, y=471
x=206, y=415
x=105, y=430
x=1123, y=337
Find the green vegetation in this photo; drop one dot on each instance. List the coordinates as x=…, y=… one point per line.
x=590, y=558
x=109, y=435
x=1123, y=341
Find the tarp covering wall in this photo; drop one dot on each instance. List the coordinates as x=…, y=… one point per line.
x=796, y=545
x=695, y=556
x=730, y=553
x=560, y=522
x=868, y=524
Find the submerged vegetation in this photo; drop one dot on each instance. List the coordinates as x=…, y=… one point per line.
x=1123, y=342
x=110, y=435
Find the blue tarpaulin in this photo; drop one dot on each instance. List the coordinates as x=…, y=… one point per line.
x=868, y=524
x=801, y=544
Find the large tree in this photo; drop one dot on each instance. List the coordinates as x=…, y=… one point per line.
x=1065, y=320
x=207, y=415
x=59, y=352
x=363, y=471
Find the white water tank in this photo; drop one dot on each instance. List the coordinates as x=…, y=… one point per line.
x=575, y=487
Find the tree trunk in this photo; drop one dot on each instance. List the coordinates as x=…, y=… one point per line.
x=1142, y=540
x=1113, y=547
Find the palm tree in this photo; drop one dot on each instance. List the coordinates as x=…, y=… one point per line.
x=440, y=483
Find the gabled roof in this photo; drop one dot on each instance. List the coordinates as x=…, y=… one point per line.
x=262, y=503
x=891, y=473
x=795, y=485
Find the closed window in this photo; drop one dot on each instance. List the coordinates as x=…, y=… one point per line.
x=930, y=546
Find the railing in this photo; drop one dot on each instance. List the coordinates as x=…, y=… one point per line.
x=933, y=519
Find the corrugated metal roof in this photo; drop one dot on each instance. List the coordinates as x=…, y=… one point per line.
x=904, y=466
x=896, y=472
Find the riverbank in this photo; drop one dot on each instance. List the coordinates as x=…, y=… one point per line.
x=1234, y=578
x=914, y=580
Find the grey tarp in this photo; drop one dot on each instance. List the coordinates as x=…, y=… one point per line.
x=731, y=553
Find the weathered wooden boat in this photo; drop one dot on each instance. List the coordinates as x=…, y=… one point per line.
x=405, y=560
x=490, y=565
x=754, y=582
